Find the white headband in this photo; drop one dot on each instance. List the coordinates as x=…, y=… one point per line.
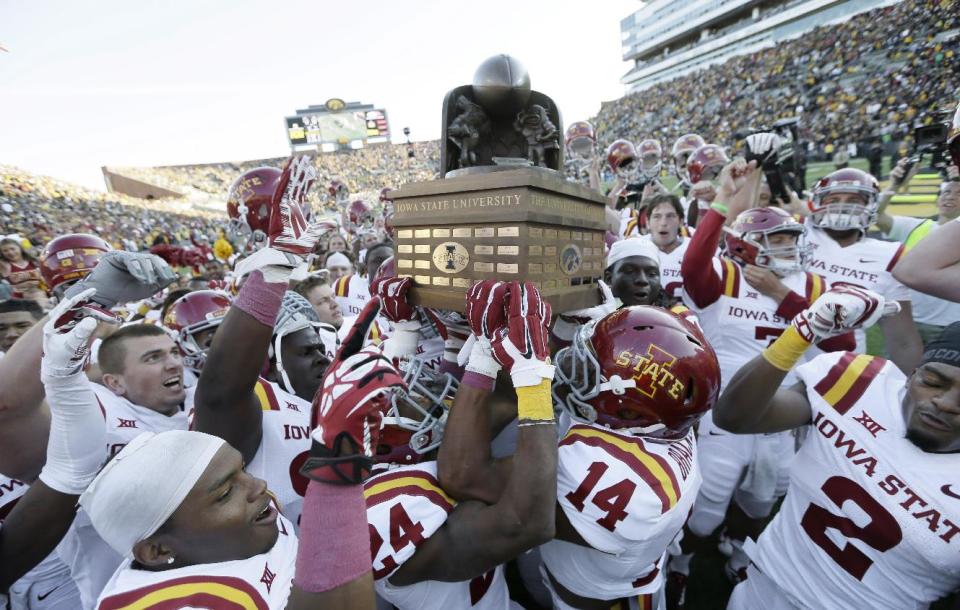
x=632, y=246
x=338, y=259
x=142, y=486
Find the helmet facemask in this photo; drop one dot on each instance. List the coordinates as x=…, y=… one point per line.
x=844, y=216
x=404, y=439
x=194, y=356
x=782, y=260
x=580, y=374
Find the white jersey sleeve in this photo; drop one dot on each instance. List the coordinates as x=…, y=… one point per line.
x=870, y=520
x=627, y=497
x=284, y=447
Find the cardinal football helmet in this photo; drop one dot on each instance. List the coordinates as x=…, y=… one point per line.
x=639, y=370
x=746, y=241
x=842, y=216
x=359, y=216
x=248, y=201
x=337, y=191
x=69, y=258
x=580, y=139
x=191, y=314
x=651, y=158
x=706, y=163
x=682, y=149
x=413, y=425
x=622, y=158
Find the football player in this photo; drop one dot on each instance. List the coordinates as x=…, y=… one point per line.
x=352, y=291
x=622, y=160
x=871, y=519
x=268, y=358
x=743, y=299
x=194, y=318
x=34, y=518
x=703, y=170
x=683, y=147
x=69, y=268
x=631, y=386
x=843, y=206
x=667, y=232
x=196, y=530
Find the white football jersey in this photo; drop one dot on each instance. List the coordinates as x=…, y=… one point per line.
x=867, y=263
x=743, y=322
x=90, y=558
x=629, y=222
x=628, y=497
x=284, y=447
x=50, y=576
x=869, y=520
x=261, y=582
x=671, y=281
x=405, y=506
x=351, y=292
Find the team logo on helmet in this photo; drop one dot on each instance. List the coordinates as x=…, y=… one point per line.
x=653, y=371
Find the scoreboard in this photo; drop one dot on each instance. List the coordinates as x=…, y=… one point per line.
x=336, y=125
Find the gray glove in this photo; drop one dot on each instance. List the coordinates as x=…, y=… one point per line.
x=124, y=277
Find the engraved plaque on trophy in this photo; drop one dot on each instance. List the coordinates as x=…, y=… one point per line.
x=526, y=224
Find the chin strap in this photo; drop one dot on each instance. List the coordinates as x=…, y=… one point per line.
x=617, y=385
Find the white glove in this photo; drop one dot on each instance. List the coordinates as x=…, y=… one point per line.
x=403, y=340
x=568, y=322
x=479, y=357
x=66, y=335
x=841, y=309
x=77, y=444
x=123, y=277
x=275, y=265
x=763, y=145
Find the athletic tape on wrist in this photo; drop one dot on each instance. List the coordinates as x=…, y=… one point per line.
x=478, y=381
x=787, y=349
x=535, y=402
x=720, y=207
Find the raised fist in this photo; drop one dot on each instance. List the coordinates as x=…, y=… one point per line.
x=841, y=309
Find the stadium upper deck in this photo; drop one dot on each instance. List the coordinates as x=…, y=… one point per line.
x=669, y=38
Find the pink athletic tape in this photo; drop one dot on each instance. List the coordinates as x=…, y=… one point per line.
x=334, y=539
x=451, y=367
x=478, y=381
x=260, y=299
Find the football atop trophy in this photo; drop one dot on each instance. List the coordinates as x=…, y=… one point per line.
x=501, y=86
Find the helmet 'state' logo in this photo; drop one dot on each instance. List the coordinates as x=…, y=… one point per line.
x=570, y=259
x=450, y=257
x=652, y=371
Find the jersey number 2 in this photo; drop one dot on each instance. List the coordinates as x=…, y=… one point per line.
x=612, y=500
x=881, y=533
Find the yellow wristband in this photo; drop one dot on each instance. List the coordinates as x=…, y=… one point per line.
x=535, y=402
x=787, y=349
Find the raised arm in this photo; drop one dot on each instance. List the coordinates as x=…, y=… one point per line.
x=478, y=536
x=225, y=403
x=75, y=450
x=119, y=277
x=753, y=402
x=333, y=557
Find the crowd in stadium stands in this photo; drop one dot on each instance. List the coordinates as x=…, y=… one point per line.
x=252, y=409
x=871, y=77
x=364, y=171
